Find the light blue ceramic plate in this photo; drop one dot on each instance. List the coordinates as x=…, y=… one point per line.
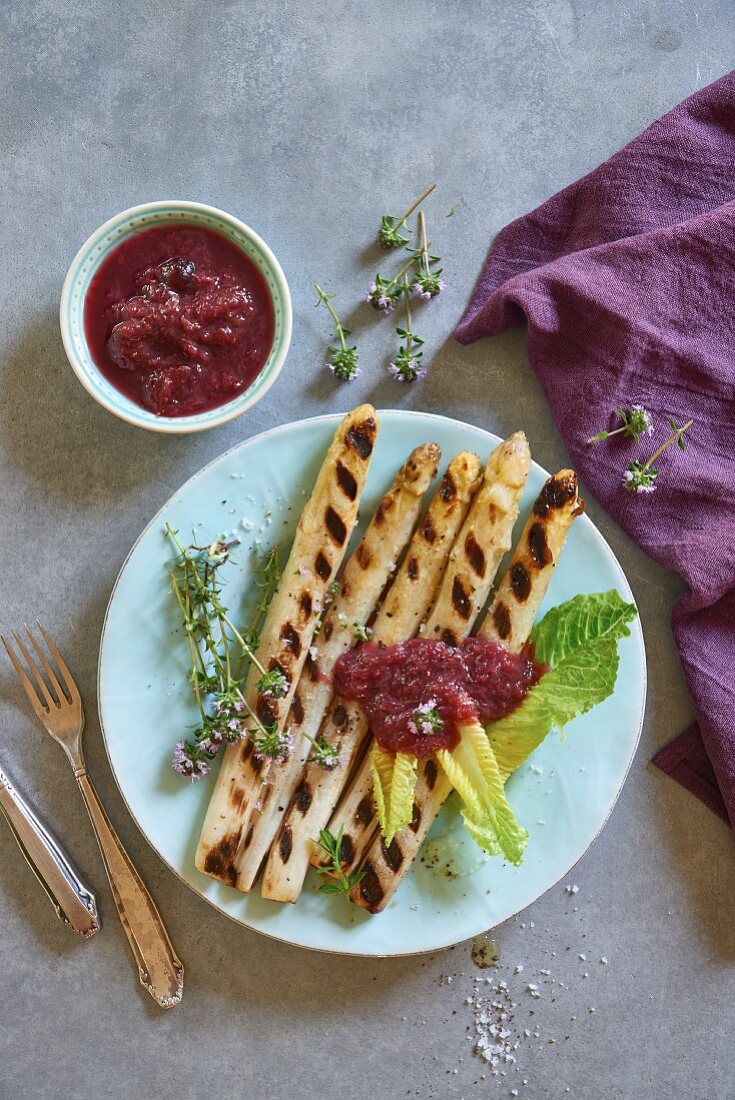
x=98, y=247
x=564, y=795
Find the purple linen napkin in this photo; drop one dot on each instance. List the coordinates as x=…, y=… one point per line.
x=627, y=282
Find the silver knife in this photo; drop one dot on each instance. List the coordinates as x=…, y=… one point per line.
x=74, y=902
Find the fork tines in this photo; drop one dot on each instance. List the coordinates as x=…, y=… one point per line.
x=62, y=690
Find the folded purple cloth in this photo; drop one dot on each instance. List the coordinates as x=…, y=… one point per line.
x=627, y=281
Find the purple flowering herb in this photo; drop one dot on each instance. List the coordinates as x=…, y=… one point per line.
x=343, y=360
x=640, y=476
x=390, y=232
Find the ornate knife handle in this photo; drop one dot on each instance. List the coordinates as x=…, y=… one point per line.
x=75, y=904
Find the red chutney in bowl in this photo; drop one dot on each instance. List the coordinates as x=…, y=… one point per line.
x=479, y=680
x=179, y=319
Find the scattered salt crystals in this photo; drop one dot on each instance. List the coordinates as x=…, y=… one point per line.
x=246, y=524
x=603, y=960
x=586, y=974
x=514, y=1092
x=536, y=770
x=313, y=652
x=540, y=822
x=544, y=971
x=572, y=889
x=531, y=924
x=518, y=969
x=592, y=1010
x=582, y=958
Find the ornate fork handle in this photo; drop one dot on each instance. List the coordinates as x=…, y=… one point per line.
x=160, y=969
x=75, y=904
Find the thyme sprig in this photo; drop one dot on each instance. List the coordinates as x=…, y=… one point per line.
x=342, y=359
x=389, y=234
x=426, y=719
x=428, y=283
x=407, y=365
x=634, y=422
x=323, y=754
x=272, y=743
x=383, y=294
x=339, y=882
x=640, y=476
x=220, y=654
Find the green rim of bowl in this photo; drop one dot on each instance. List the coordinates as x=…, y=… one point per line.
x=102, y=242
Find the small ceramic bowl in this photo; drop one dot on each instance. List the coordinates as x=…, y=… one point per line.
x=98, y=247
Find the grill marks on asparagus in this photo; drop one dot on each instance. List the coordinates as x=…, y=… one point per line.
x=534, y=559
x=287, y=633
x=364, y=579
x=556, y=508
x=402, y=610
x=462, y=593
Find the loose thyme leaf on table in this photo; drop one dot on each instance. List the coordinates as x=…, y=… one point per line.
x=340, y=882
x=342, y=359
x=389, y=234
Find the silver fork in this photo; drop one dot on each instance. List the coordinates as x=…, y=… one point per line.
x=60, y=709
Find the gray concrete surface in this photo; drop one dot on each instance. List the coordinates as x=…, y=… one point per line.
x=309, y=120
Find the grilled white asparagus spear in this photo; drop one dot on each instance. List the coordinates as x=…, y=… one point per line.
x=509, y=620
x=345, y=726
x=365, y=577
x=324, y=528
x=482, y=543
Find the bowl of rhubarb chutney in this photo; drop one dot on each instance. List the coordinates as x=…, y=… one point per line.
x=176, y=316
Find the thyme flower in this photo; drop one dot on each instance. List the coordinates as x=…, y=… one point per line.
x=635, y=422
x=272, y=683
x=427, y=283
x=389, y=234
x=426, y=719
x=342, y=359
x=382, y=294
x=639, y=477
x=324, y=754
x=191, y=761
x=272, y=744
x=361, y=632
x=407, y=365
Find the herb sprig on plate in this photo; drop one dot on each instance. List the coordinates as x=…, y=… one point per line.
x=221, y=658
x=339, y=881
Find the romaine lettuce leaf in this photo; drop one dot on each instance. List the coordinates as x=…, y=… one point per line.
x=473, y=771
x=394, y=785
x=579, y=639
